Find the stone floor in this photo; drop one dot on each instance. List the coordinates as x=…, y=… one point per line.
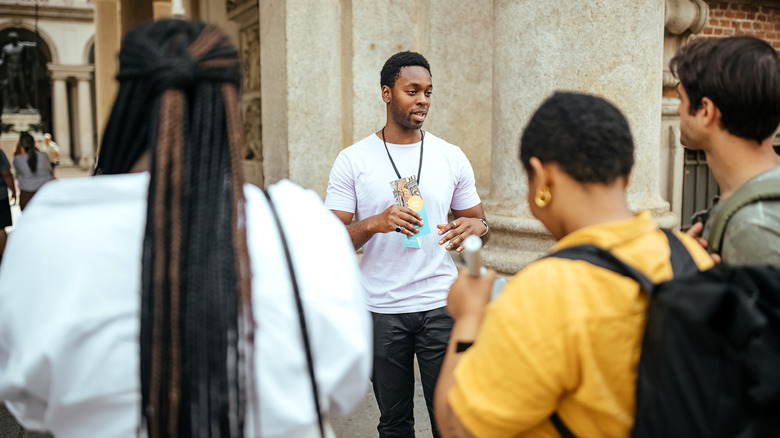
x=360, y=423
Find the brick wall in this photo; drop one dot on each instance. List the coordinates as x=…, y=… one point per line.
x=740, y=18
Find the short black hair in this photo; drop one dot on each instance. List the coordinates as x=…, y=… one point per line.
x=741, y=75
x=395, y=63
x=586, y=135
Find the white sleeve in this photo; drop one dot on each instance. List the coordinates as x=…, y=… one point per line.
x=338, y=323
x=341, y=186
x=465, y=195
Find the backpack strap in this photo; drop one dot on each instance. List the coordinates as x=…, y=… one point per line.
x=765, y=189
x=680, y=259
x=301, y=315
x=603, y=258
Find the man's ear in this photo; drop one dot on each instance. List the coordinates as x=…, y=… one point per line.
x=709, y=112
x=387, y=93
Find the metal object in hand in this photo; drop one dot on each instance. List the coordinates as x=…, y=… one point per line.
x=471, y=255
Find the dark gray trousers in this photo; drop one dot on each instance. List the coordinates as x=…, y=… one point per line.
x=397, y=338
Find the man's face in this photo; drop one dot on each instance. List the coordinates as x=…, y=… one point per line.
x=689, y=134
x=410, y=97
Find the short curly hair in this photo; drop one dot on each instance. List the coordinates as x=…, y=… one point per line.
x=395, y=63
x=586, y=135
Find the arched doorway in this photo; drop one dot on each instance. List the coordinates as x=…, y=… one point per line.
x=41, y=80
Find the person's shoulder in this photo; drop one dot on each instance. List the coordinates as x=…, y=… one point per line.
x=444, y=147
x=546, y=274
x=756, y=218
x=439, y=142
x=92, y=190
x=366, y=144
x=299, y=209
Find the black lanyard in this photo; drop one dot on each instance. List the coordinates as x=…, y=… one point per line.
x=419, y=168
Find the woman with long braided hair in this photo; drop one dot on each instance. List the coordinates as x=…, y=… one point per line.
x=170, y=310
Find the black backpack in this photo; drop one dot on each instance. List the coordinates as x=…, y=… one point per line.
x=710, y=360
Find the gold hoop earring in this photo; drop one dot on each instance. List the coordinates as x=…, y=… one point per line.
x=543, y=197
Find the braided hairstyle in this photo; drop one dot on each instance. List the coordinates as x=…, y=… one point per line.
x=179, y=99
x=27, y=144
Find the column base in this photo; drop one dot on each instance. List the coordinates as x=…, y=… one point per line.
x=86, y=162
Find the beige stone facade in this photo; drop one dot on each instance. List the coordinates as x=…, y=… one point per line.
x=492, y=62
x=311, y=84
x=65, y=29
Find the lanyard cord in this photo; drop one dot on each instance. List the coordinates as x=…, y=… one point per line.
x=419, y=168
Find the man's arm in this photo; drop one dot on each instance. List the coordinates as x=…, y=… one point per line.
x=466, y=303
x=387, y=221
x=9, y=181
x=467, y=222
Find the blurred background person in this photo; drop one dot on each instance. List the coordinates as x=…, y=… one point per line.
x=33, y=169
x=168, y=306
x=564, y=336
x=52, y=150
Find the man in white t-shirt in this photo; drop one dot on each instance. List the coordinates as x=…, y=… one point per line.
x=406, y=270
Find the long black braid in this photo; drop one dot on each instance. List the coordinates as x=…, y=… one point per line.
x=179, y=99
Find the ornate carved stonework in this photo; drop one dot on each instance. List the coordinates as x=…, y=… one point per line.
x=682, y=19
x=233, y=4
x=250, y=53
x=246, y=14
x=253, y=131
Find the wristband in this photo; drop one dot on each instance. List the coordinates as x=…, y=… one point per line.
x=486, y=227
x=460, y=347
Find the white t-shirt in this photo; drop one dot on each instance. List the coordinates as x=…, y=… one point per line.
x=70, y=310
x=31, y=181
x=398, y=279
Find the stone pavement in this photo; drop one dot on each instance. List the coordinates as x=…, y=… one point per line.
x=360, y=423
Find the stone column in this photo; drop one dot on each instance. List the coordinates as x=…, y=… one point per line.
x=300, y=63
x=86, y=133
x=162, y=9
x=61, y=116
x=613, y=49
x=108, y=28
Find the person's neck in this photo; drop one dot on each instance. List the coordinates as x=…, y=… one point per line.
x=593, y=204
x=399, y=135
x=734, y=161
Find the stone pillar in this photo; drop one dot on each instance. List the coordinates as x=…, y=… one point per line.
x=300, y=63
x=61, y=117
x=162, y=9
x=613, y=49
x=86, y=133
x=108, y=28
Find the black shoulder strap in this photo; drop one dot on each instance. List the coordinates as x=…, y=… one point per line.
x=301, y=316
x=680, y=259
x=603, y=258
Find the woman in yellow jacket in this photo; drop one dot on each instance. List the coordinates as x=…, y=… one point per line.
x=564, y=335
